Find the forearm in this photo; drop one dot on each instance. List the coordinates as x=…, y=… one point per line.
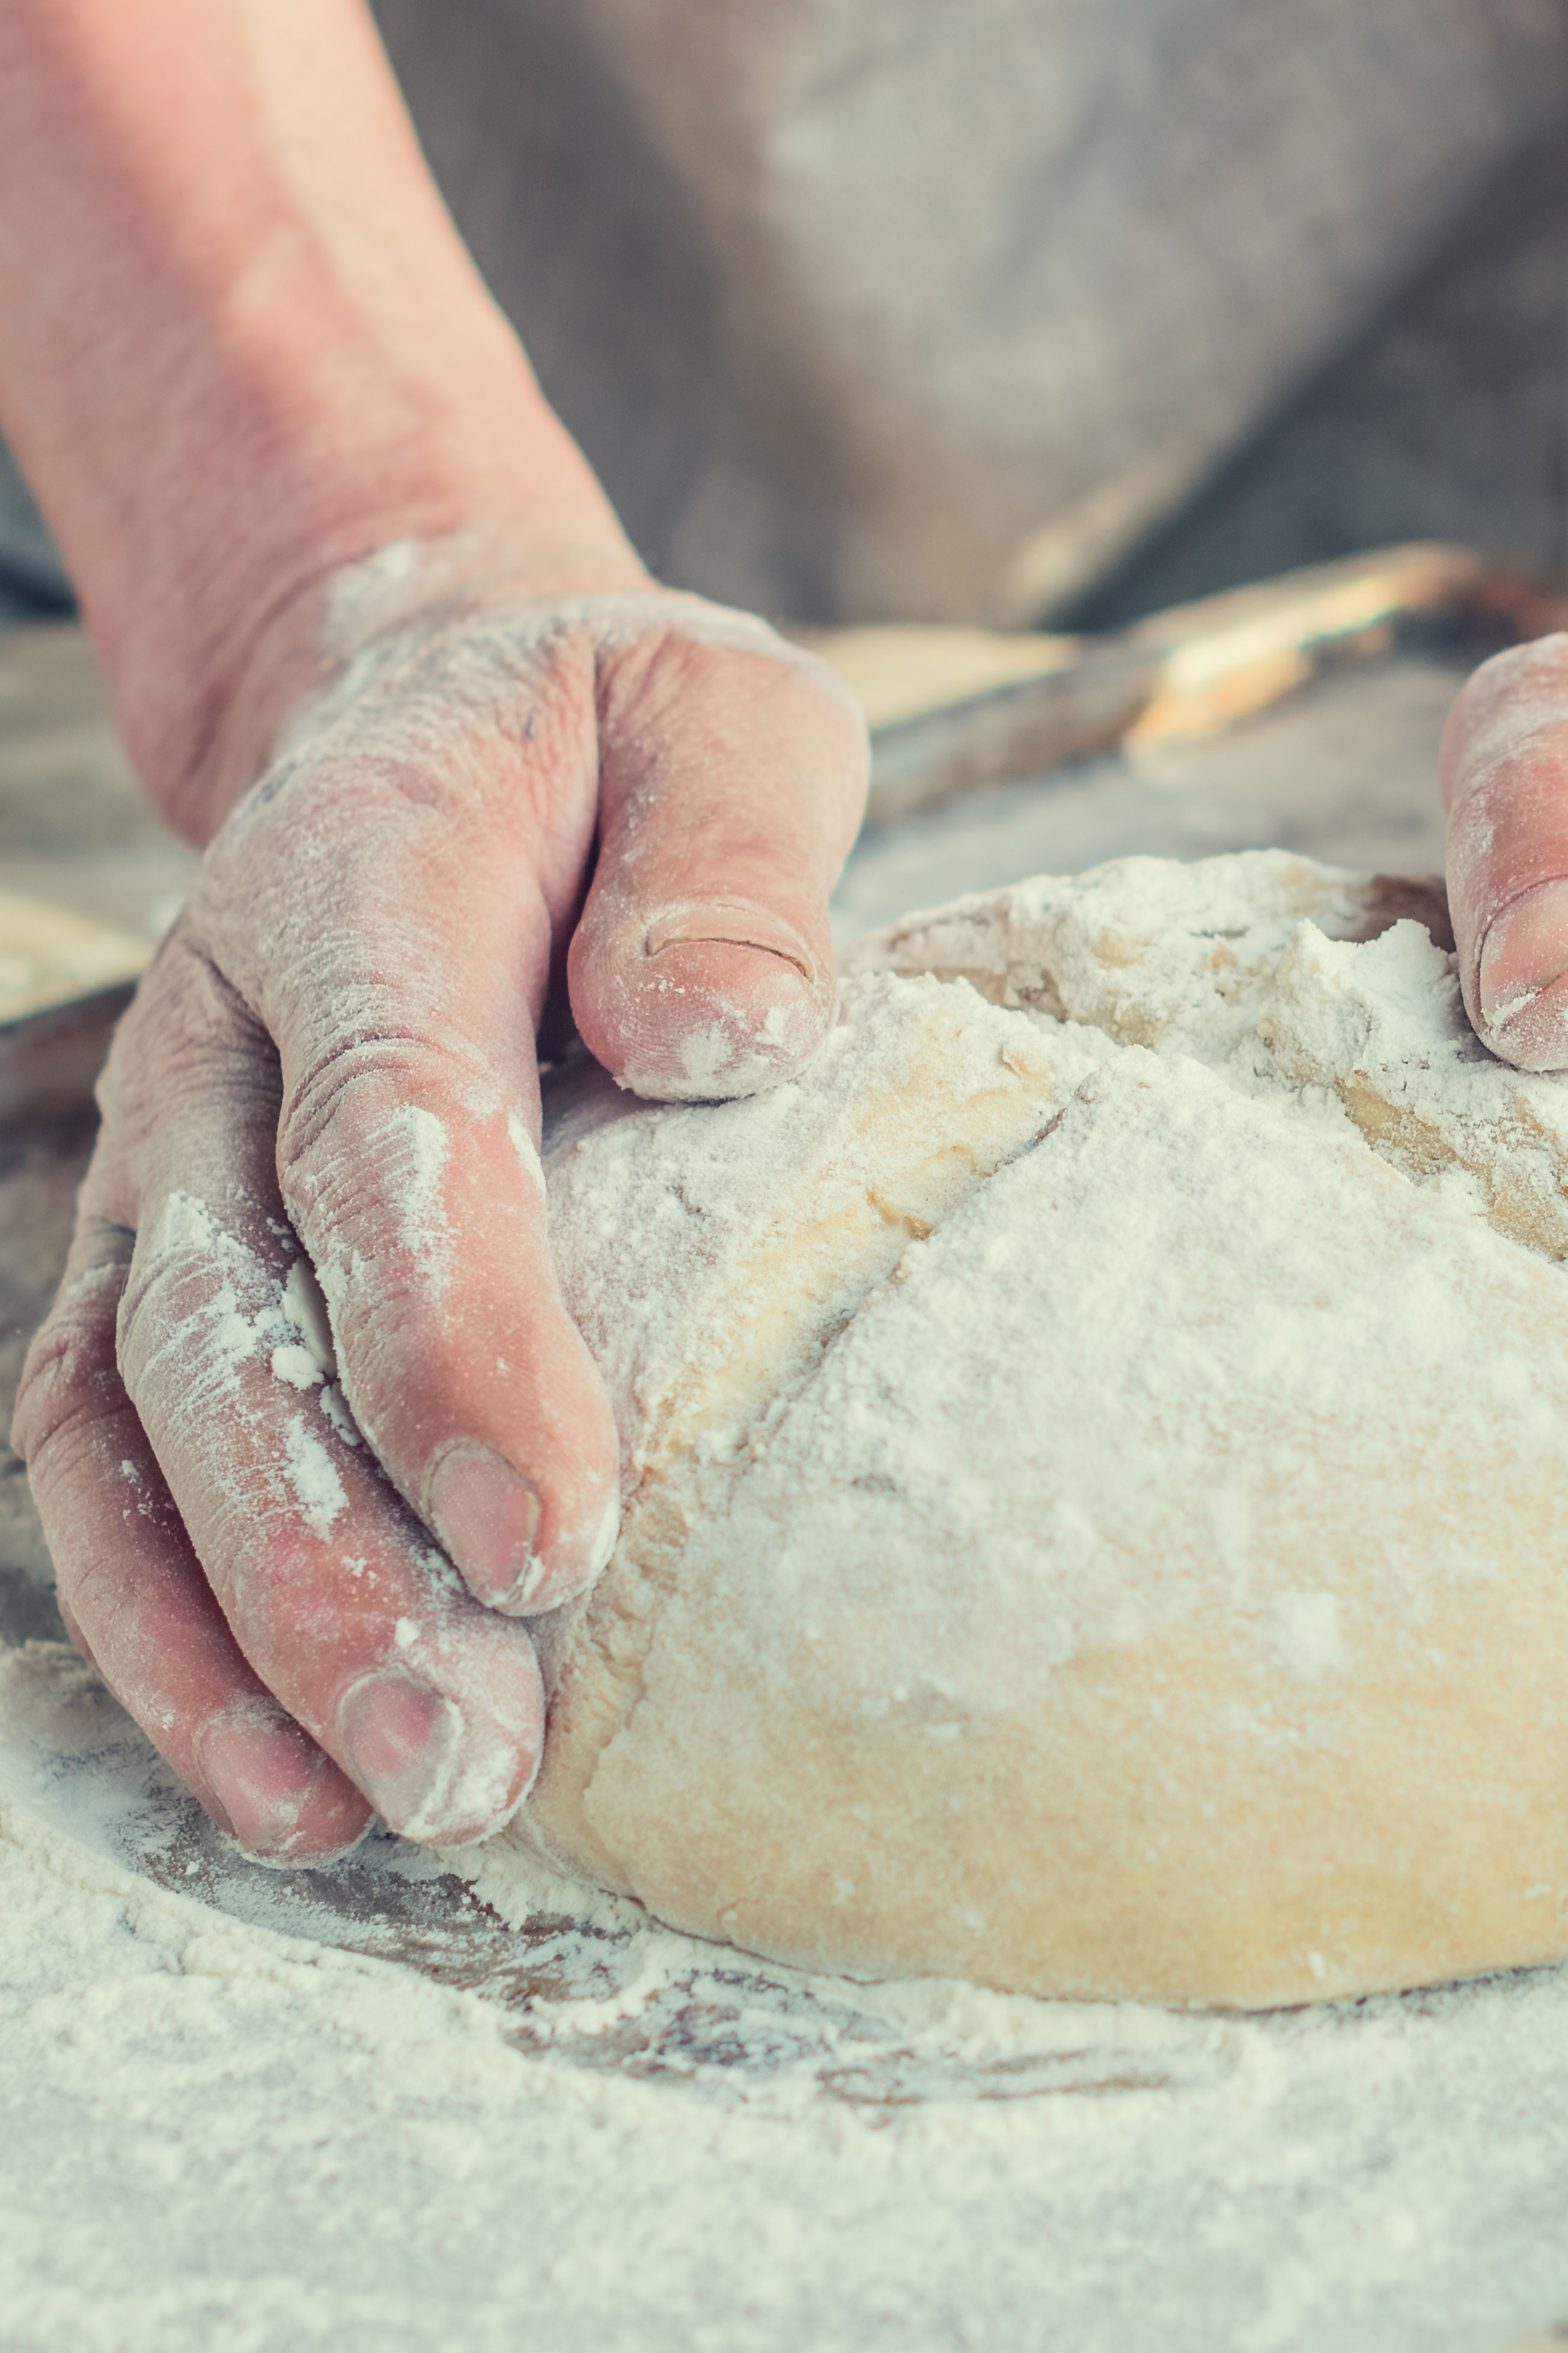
x=240, y=344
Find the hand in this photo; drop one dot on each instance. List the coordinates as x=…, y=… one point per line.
x=1505, y=785
x=309, y=1427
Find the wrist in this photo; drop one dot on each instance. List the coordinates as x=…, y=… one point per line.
x=207, y=663
x=244, y=348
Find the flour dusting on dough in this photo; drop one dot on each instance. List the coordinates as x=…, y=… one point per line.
x=313, y=1476
x=1082, y=1437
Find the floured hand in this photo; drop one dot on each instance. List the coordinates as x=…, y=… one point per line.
x=310, y=1427
x=1505, y=785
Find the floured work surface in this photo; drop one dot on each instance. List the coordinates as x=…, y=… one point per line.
x=220, y=2134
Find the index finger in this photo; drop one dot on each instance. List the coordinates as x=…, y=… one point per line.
x=406, y=1153
x=1504, y=765
x=732, y=787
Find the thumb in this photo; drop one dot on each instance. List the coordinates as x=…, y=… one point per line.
x=732, y=785
x=1505, y=781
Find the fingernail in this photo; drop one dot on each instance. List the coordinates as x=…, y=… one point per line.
x=260, y=1770
x=402, y=1741
x=487, y=1516
x=1524, y=953
x=736, y=924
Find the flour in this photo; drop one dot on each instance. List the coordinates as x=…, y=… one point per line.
x=239, y=1313
x=303, y=1307
x=410, y=1151
x=1308, y=1634
x=219, y=2135
x=296, y=1366
x=313, y=1476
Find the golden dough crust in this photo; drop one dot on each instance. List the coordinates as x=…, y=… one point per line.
x=1097, y=1511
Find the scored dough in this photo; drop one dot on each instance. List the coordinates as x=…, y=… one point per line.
x=1096, y=1461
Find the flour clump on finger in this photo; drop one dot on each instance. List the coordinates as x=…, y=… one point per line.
x=1095, y=1447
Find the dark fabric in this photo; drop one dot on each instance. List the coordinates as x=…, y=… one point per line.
x=33, y=582
x=1445, y=418
x=872, y=307
x=1009, y=309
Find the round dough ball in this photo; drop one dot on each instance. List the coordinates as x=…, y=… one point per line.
x=1097, y=1463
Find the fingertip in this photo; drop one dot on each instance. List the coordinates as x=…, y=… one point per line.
x=1521, y=983
x=486, y=1516
x=267, y=1784
x=439, y=1770
x=738, y=924
x=575, y=1564
x=704, y=1004
x=578, y=1547
x=523, y=1544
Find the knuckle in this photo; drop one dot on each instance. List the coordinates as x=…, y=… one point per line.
x=201, y=1298
x=93, y=1589
x=362, y=1100
x=186, y=1042
x=70, y=1381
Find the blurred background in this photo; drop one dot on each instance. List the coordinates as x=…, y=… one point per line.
x=1029, y=312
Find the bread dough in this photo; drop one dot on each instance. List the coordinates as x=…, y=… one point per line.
x=1097, y=1463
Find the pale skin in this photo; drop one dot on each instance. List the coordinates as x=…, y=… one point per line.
x=332, y=546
